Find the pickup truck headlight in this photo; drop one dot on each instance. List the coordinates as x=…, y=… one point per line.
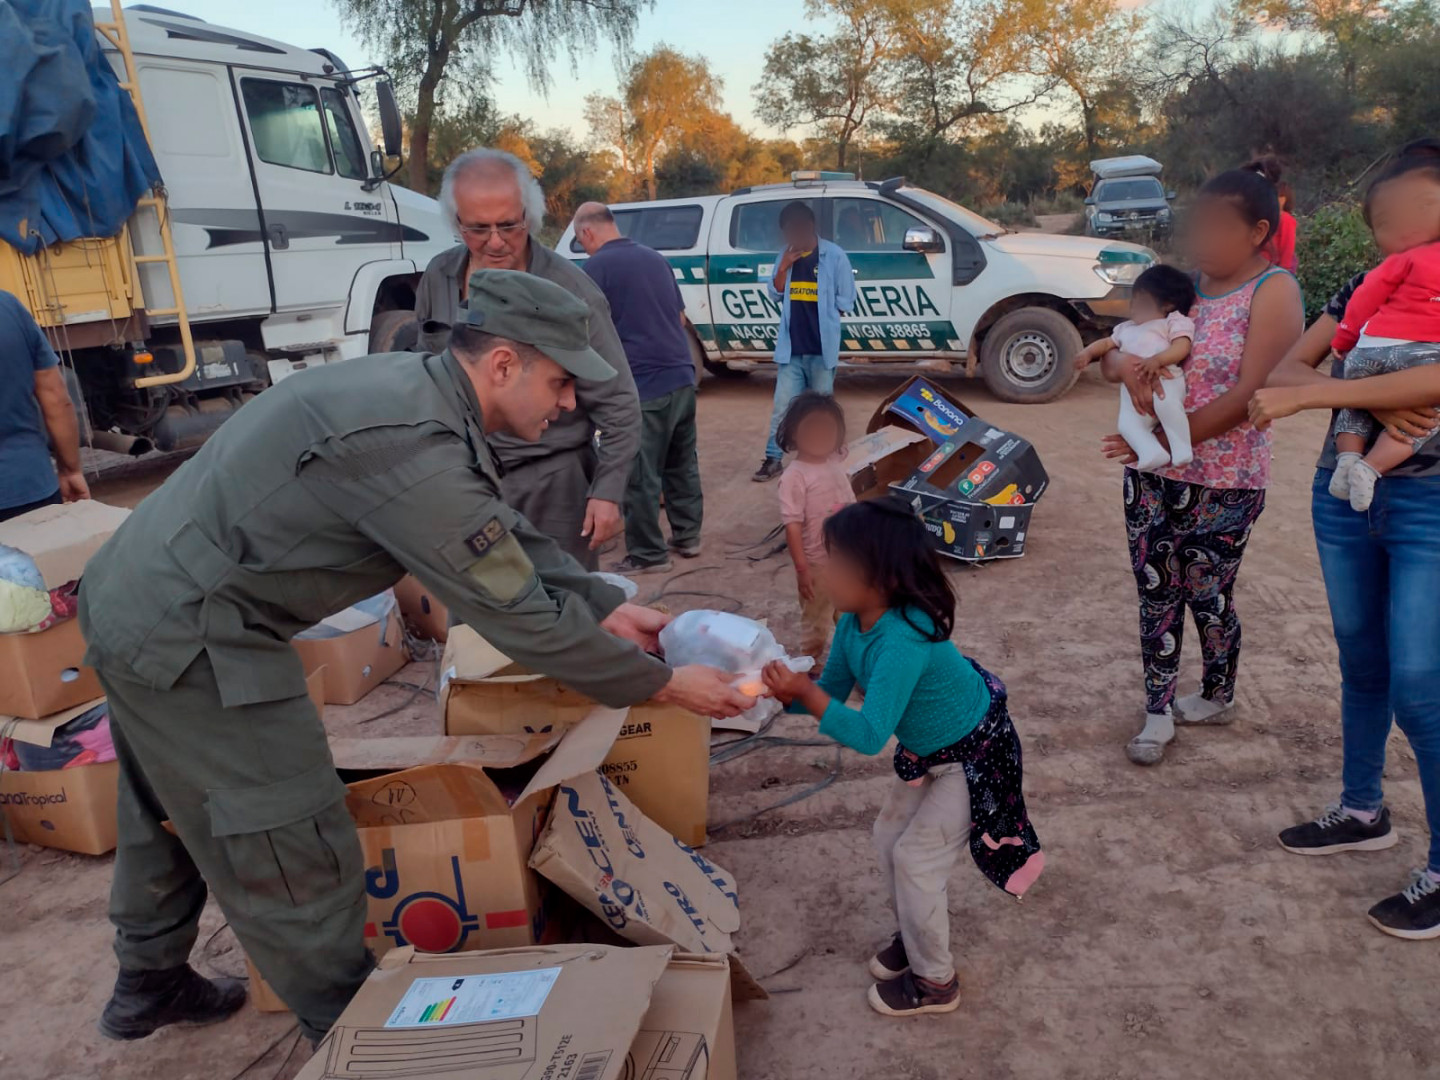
x=1101, y=217
x=1120, y=266
x=1163, y=214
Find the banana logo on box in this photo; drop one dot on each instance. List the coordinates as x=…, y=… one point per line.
x=949, y=531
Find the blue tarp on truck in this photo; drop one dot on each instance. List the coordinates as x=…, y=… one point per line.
x=73, y=156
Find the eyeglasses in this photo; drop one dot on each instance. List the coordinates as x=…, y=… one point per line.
x=505, y=230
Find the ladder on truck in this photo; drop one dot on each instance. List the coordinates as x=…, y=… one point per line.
x=118, y=35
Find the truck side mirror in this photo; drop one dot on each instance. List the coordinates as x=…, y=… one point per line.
x=389, y=118
x=1089, y=200
x=377, y=164
x=923, y=239
x=1171, y=195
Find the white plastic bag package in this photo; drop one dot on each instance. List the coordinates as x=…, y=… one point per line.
x=624, y=584
x=731, y=643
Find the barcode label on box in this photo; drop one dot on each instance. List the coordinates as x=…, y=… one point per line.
x=592, y=1066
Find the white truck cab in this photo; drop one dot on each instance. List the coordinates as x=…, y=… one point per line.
x=935, y=283
x=291, y=246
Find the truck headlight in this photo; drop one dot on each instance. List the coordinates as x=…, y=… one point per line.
x=1121, y=266
x=1101, y=217
x=1164, y=214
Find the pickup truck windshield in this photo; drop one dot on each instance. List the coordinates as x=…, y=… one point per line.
x=972, y=221
x=1140, y=187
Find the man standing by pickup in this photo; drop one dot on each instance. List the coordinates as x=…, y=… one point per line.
x=569, y=487
x=34, y=401
x=814, y=286
x=322, y=491
x=649, y=315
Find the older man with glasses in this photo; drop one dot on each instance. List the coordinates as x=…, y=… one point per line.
x=571, y=484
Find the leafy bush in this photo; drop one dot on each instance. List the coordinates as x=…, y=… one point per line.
x=1010, y=214
x=1063, y=202
x=1334, y=245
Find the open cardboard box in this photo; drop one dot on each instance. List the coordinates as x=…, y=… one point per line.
x=71, y=809
x=564, y=1012
x=422, y=609
x=359, y=648
x=41, y=674
x=447, y=825
x=973, y=484
x=661, y=759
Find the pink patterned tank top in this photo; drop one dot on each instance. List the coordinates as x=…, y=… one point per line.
x=1239, y=458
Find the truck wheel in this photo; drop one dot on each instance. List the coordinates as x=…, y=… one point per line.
x=1026, y=356
x=721, y=370
x=393, y=331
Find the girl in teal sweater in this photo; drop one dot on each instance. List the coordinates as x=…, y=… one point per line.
x=957, y=759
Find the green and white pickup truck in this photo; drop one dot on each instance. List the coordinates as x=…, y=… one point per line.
x=937, y=285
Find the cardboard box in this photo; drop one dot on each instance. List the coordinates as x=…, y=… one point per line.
x=41, y=674
x=644, y=884
x=661, y=759
x=422, y=610
x=359, y=648
x=973, y=484
x=71, y=809
x=571, y=1012
x=447, y=840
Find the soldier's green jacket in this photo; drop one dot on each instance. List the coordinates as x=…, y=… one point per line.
x=321, y=492
x=611, y=407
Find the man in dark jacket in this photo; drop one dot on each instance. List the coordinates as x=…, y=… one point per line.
x=649, y=315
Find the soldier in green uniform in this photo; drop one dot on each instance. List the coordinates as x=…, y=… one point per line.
x=321, y=492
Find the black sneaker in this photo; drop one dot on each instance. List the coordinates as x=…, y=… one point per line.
x=769, y=469
x=890, y=962
x=910, y=995
x=1335, y=831
x=1413, y=913
x=145, y=1001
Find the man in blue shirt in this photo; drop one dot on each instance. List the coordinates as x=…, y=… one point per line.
x=814, y=286
x=649, y=316
x=34, y=401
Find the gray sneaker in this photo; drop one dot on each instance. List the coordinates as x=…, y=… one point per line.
x=690, y=549
x=633, y=567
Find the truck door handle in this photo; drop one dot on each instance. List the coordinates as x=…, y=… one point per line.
x=279, y=237
x=739, y=270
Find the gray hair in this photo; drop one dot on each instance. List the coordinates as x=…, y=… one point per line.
x=482, y=159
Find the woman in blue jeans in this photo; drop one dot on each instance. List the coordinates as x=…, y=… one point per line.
x=1382, y=572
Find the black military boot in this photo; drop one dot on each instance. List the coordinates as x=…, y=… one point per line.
x=145, y=1001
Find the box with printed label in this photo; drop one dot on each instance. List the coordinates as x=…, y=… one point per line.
x=359, y=648
x=422, y=609
x=447, y=825
x=41, y=673
x=661, y=759
x=72, y=809
x=581, y=1012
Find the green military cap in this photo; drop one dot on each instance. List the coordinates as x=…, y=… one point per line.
x=528, y=309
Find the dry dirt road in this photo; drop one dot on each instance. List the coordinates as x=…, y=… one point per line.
x=1169, y=937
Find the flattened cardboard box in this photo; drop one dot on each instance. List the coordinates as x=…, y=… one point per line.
x=447, y=841
x=41, y=674
x=643, y=883
x=661, y=759
x=70, y=809
x=565, y=1012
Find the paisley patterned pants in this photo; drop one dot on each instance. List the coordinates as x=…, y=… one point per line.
x=1186, y=541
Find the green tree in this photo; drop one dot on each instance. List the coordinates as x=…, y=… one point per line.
x=663, y=96
x=1347, y=25
x=835, y=81
x=429, y=45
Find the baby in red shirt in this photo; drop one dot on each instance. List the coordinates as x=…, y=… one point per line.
x=1392, y=322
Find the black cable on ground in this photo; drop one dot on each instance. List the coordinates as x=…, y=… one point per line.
x=789, y=800
x=293, y=1029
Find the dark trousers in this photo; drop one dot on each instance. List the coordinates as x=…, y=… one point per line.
x=259, y=816
x=666, y=465
x=552, y=493
x=8, y=512
x=1186, y=542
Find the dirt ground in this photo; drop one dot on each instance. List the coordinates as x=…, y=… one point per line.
x=1170, y=936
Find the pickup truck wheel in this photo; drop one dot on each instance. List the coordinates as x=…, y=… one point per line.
x=1026, y=356
x=393, y=331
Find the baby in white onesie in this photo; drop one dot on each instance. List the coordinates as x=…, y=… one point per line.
x=1159, y=332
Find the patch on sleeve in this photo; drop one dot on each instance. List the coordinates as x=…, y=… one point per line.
x=503, y=571
x=487, y=536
